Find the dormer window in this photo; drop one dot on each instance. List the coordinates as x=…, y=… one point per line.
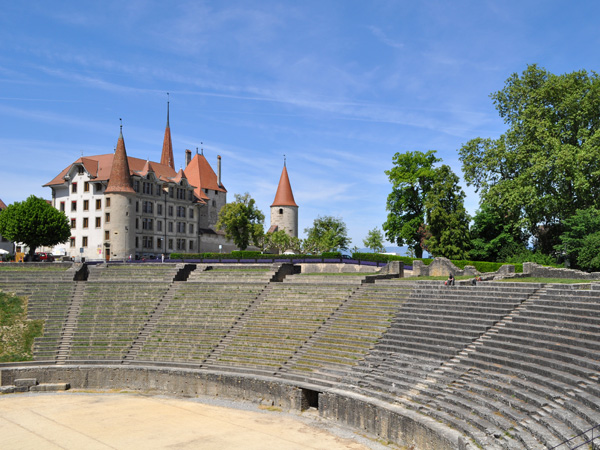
x=80, y=170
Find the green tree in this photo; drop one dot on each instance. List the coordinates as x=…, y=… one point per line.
x=374, y=240
x=412, y=177
x=545, y=166
x=581, y=238
x=242, y=221
x=328, y=233
x=278, y=240
x=447, y=219
x=35, y=223
x=495, y=236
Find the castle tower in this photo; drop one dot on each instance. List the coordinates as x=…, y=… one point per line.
x=166, y=157
x=284, y=210
x=120, y=195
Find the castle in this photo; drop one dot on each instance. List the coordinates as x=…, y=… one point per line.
x=121, y=207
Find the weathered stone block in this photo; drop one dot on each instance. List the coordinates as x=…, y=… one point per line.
x=7, y=389
x=26, y=382
x=50, y=387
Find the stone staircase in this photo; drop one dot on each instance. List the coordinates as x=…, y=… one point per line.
x=66, y=338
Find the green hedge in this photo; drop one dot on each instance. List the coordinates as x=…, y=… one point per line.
x=378, y=257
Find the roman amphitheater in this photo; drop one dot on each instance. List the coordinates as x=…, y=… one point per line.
x=497, y=365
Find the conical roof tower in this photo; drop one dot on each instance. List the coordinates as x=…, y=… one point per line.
x=284, y=210
x=284, y=195
x=120, y=178
x=166, y=157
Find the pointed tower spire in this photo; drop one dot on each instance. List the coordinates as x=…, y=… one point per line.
x=284, y=195
x=167, y=149
x=120, y=178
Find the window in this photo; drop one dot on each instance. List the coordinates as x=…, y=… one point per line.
x=107, y=235
x=191, y=227
x=170, y=227
x=148, y=188
x=74, y=188
x=98, y=222
x=280, y=210
x=214, y=203
x=137, y=242
x=181, y=194
x=85, y=222
x=98, y=204
x=170, y=211
x=148, y=207
x=136, y=186
x=181, y=227
x=107, y=202
x=73, y=223
x=137, y=223
x=191, y=213
x=86, y=186
x=72, y=242
x=181, y=211
x=137, y=206
x=80, y=170
x=74, y=205
x=159, y=243
x=191, y=245
x=190, y=194
x=147, y=242
x=107, y=218
x=84, y=241
x=86, y=205
x=180, y=244
x=171, y=192
x=98, y=187
x=62, y=206
x=158, y=225
x=147, y=224
x=159, y=209
x=170, y=244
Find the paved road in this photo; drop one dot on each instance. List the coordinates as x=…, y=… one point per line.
x=79, y=421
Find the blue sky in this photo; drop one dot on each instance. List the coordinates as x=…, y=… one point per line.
x=337, y=86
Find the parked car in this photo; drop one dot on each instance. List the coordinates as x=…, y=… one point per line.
x=44, y=257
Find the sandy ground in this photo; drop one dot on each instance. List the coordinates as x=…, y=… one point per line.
x=76, y=420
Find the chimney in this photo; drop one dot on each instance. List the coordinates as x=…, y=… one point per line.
x=188, y=157
x=219, y=170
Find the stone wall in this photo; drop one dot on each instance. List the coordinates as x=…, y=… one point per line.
x=389, y=422
x=535, y=270
x=444, y=267
x=336, y=268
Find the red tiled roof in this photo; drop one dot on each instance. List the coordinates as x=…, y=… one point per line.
x=2, y=205
x=284, y=195
x=166, y=157
x=200, y=174
x=103, y=163
x=120, y=177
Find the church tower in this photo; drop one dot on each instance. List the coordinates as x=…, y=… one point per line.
x=120, y=196
x=284, y=210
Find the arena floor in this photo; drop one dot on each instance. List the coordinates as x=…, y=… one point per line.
x=80, y=420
